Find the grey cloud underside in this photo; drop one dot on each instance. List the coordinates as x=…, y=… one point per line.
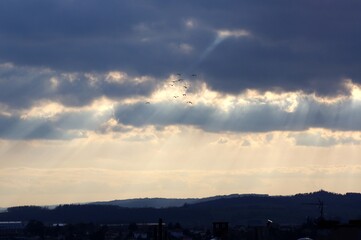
x=15, y=128
x=308, y=45
x=63, y=126
x=254, y=117
x=21, y=87
x=307, y=139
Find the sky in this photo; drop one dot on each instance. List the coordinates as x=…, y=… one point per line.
x=103, y=100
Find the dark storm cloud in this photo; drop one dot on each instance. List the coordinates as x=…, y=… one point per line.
x=253, y=117
x=305, y=45
x=21, y=87
x=87, y=35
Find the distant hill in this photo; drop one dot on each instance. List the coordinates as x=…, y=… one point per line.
x=163, y=202
x=148, y=202
x=237, y=209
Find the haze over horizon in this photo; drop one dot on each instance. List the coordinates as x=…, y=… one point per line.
x=164, y=202
x=178, y=99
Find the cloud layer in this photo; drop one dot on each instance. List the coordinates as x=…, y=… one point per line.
x=23, y=87
x=261, y=116
x=294, y=112
x=74, y=54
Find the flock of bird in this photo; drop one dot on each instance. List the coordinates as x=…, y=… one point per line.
x=181, y=84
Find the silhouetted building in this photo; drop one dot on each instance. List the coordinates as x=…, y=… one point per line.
x=11, y=228
x=334, y=231
x=159, y=231
x=220, y=230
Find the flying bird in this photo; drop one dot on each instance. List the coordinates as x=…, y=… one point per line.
x=194, y=75
x=190, y=102
x=176, y=96
x=184, y=94
x=178, y=74
x=147, y=103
